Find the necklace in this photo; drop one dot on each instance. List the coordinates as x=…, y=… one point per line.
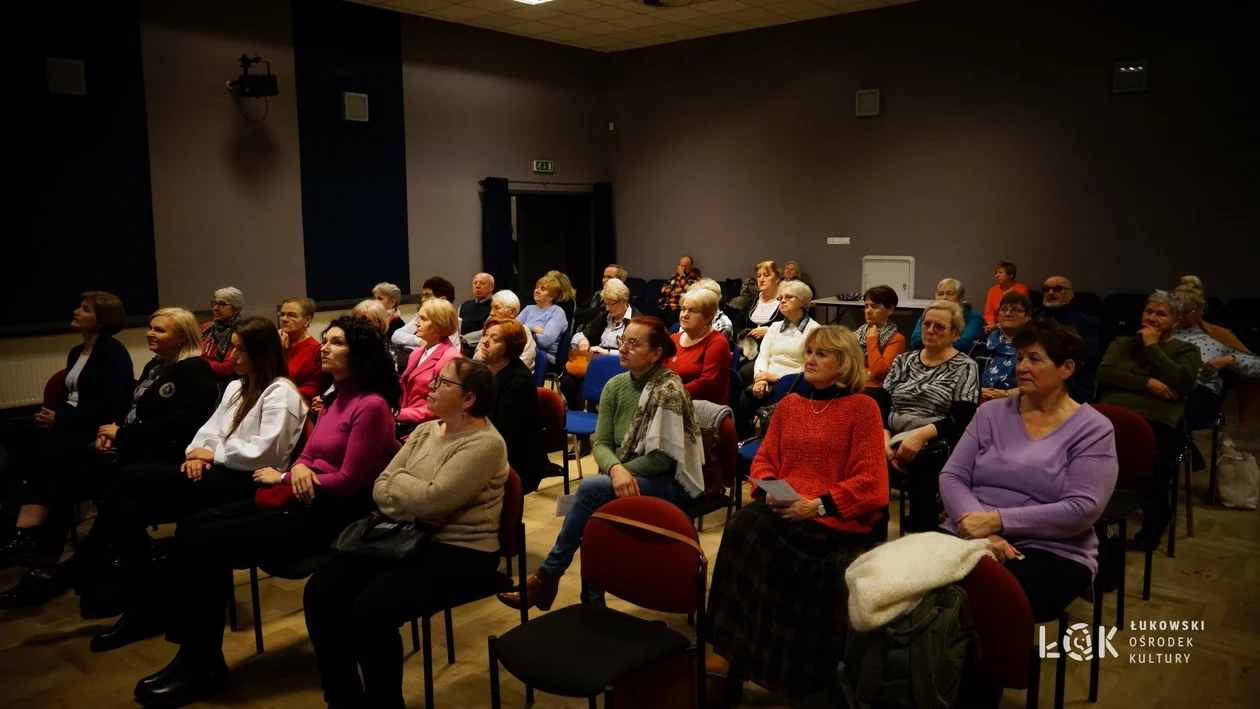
x=811, y=405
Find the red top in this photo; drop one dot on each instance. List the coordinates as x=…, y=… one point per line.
x=224, y=368
x=878, y=363
x=704, y=367
x=836, y=455
x=303, y=360
x=994, y=299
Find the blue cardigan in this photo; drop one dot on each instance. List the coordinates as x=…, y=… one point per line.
x=973, y=332
x=105, y=385
x=553, y=321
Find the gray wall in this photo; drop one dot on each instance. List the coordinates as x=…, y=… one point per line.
x=1000, y=139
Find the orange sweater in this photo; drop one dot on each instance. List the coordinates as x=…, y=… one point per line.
x=878, y=363
x=994, y=299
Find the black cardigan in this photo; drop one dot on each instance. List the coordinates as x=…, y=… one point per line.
x=517, y=418
x=169, y=413
x=104, y=386
x=594, y=329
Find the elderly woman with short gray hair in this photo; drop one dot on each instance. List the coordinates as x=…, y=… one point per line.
x=216, y=335
x=389, y=296
x=504, y=305
x=703, y=359
x=721, y=321
x=782, y=351
x=973, y=323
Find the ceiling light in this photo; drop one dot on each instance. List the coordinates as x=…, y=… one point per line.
x=533, y=2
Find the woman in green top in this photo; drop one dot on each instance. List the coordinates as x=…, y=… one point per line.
x=1151, y=374
x=646, y=443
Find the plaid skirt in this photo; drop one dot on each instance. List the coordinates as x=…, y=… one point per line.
x=778, y=605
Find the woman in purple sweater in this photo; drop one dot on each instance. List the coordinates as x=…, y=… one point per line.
x=1033, y=473
x=331, y=483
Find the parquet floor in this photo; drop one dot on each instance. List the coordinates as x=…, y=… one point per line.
x=1215, y=578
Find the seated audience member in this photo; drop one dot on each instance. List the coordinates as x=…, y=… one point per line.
x=1040, y=521
x=405, y=338
x=588, y=311
x=301, y=349
x=257, y=424
x=1006, y=283
x=973, y=323
x=878, y=339
x=515, y=413
x=216, y=335
x=176, y=394
x=545, y=320
x=474, y=312
x=998, y=379
x=389, y=296
x=451, y=474
x=1057, y=304
x=1219, y=349
x=782, y=352
x=781, y=564
x=721, y=322
x=331, y=483
x=763, y=311
x=747, y=292
x=931, y=394
x=684, y=275
x=505, y=304
x=702, y=358
x=567, y=300
x=645, y=417
x=435, y=323
x=792, y=272
x=1151, y=374
x=374, y=313
x=600, y=336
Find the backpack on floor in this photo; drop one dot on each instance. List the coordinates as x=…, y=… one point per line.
x=914, y=662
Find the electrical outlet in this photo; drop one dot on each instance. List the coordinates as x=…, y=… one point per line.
x=837, y=241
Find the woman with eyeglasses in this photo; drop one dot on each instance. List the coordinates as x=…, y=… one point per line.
x=301, y=349
x=600, y=336
x=302, y=510
x=216, y=335
x=929, y=394
x=998, y=379
x=951, y=289
x=782, y=351
x=515, y=413
x=451, y=474
x=703, y=357
x=647, y=442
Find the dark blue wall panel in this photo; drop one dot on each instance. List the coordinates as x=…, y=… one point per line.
x=354, y=175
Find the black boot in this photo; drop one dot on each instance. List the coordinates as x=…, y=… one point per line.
x=22, y=549
x=36, y=588
x=129, y=628
x=160, y=677
x=203, y=675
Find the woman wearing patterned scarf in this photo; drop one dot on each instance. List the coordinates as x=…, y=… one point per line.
x=647, y=442
x=878, y=338
x=216, y=335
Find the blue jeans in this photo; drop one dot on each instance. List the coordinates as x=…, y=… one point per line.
x=592, y=494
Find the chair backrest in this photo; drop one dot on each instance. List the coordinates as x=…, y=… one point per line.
x=728, y=449
x=737, y=384
x=1241, y=317
x=731, y=288
x=674, y=328
x=639, y=566
x=510, y=518
x=637, y=287
x=789, y=383
x=1122, y=312
x=1135, y=447
x=551, y=410
x=598, y=372
x=1088, y=303
x=1003, y=619
x=308, y=427
x=53, y=389
x=562, y=349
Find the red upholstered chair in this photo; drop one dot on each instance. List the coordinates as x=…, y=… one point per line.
x=583, y=650
x=555, y=440
x=53, y=389
x=1135, y=451
x=1003, y=621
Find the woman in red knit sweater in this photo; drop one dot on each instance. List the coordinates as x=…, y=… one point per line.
x=703, y=359
x=778, y=602
x=301, y=350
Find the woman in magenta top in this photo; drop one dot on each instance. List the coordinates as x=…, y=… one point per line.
x=1033, y=473
x=331, y=483
x=703, y=359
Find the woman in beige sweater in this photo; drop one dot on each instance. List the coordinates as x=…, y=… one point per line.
x=451, y=473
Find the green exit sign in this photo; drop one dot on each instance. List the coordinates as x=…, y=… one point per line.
x=544, y=166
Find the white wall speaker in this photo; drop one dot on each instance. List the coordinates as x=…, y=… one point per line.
x=354, y=107
x=65, y=76
x=866, y=103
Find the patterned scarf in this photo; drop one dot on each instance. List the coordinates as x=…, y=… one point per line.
x=220, y=336
x=886, y=331
x=665, y=420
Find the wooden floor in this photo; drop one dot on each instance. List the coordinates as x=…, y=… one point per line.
x=1215, y=578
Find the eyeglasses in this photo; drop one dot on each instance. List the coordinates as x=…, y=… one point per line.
x=930, y=326
x=1012, y=309
x=786, y=296
x=426, y=296
x=440, y=381
x=220, y=304
x=1053, y=289
x=608, y=304
x=627, y=344
x=289, y=316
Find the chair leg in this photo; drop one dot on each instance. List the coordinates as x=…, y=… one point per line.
x=1033, y=696
x=494, y=673
x=415, y=635
x=581, y=474
x=1189, y=502
x=1216, y=440
x=74, y=536
x=901, y=513
x=592, y=702
x=231, y=602
x=509, y=566
x=450, y=638
x=700, y=523
x=428, y=662
x=1060, y=665
x=1093, y=663
x=565, y=453
x=1121, y=567
x=1146, y=575
x=253, y=597
x=1172, y=518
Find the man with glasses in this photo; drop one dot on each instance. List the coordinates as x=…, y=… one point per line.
x=596, y=302
x=1056, y=303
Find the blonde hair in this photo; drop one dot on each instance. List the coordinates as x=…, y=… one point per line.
x=614, y=289
x=552, y=285
x=843, y=343
x=707, y=284
x=443, y=316
x=566, y=286
x=955, y=313
x=373, y=309
x=1190, y=292
x=770, y=266
x=704, y=299
x=186, y=325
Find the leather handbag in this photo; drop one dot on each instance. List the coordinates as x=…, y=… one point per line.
x=578, y=361
x=273, y=497
x=379, y=536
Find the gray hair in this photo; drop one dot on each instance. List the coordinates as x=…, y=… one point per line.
x=705, y=300
x=389, y=290
x=955, y=311
x=621, y=272
x=957, y=285
x=506, y=299
x=1168, y=300
x=233, y=296
x=707, y=284
x=614, y=289
x=800, y=290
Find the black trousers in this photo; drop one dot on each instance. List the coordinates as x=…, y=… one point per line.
x=1169, y=442
x=211, y=544
x=57, y=465
x=355, y=605
x=157, y=493
x=571, y=388
x=1050, y=581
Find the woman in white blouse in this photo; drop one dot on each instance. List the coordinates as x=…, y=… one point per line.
x=782, y=349
x=256, y=426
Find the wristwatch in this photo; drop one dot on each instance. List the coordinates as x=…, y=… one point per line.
x=822, y=509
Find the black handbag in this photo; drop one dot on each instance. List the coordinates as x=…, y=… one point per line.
x=378, y=536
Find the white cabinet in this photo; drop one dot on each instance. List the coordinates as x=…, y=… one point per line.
x=894, y=271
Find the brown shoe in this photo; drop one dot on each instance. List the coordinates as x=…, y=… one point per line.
x=540, y=591
x=721, y=691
